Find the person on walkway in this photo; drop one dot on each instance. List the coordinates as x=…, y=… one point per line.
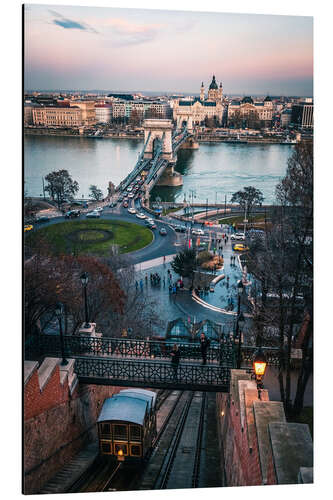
x=164, y=259
x=204, y=344
x=175, y=358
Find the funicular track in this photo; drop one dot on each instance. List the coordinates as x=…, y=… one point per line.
x=104, y=476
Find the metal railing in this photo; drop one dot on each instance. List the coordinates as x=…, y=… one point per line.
x=147, y=374
x=49, y=345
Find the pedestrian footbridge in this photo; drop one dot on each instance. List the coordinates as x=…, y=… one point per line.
x=140, y=363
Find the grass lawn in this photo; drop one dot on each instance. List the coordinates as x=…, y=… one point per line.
x=94, y=236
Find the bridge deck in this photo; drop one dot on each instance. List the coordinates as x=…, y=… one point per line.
x=152, y=373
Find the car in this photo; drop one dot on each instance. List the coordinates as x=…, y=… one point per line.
x=180, y=229
x=198, y=232
x=43, y=218
x=131, y=195
x=240, y=248
x=120, y=199
x=140, y=215
x=72, y=213
x=237, y=237
x=98, y=209
x=125, y=204
x=93, y=215
x=129, y=189
x=150, y=220
x=28, y=227
x=152, y=225
x=163, y=231
x=131, y=211
x=113, y=204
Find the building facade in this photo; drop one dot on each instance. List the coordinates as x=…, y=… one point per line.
x=200, y=108
x=88, y=111
x=260, y=110
x=54, y=116
x=103, y=113
x=302, y=115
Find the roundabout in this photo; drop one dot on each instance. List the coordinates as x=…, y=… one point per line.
x=95, y=237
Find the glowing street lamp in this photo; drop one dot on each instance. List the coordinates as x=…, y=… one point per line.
x=259, y=368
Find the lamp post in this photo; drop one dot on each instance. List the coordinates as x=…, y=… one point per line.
x=259, y=368
x=84, y=280
x=239, y=322
x=59, y=314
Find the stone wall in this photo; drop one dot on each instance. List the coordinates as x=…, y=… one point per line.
x=59, y=418
x=257, y=445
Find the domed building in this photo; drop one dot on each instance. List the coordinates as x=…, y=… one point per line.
x=260, y=111
x=199, y=108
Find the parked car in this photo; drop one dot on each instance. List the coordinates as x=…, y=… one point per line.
x=241, y=248
x=43, y=218
x=140, y=215
x=152, y=225
x=237, y=237
x=131, y=195
x=93, y=215
x=180, y=229
x=125, y=204
x=132, y=211
x=163, y=231
x=98, y=209
x=72, y=213
x=198, y=232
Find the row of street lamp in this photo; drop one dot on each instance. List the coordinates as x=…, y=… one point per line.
x=59, y=310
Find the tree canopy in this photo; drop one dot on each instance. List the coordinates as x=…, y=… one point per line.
x=61, y=186
x=185, y=263
x=248, y=198
x=95, y=192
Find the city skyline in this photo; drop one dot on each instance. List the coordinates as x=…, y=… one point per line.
x=88, y=48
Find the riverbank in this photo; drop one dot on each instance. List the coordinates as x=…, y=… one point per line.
x=58, y=132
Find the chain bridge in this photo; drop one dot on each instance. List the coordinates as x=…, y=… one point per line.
x=146, y=363
x=159, y=154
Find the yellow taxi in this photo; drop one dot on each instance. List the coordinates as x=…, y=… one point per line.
x=241, y=248
x=28, y=227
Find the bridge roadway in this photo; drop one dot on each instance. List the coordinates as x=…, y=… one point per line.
x=154, y=167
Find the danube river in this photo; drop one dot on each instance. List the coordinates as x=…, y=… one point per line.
x=212, y=172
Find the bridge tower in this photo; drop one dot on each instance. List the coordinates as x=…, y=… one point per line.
x=160, y=130
x=188, y=118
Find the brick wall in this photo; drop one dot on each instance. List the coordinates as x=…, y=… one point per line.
x=253, y=451
x=57, y=423
x=37, y=401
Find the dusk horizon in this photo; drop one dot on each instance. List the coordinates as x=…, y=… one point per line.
x=85, y=48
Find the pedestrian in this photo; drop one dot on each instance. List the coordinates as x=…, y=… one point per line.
x=204, y=344
x=164, y=259
x=175, y=358
x=163, y=280
x=141, y=285
x=136, y=284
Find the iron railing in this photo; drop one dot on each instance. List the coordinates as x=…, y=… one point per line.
x=49, y=345
x=152, y=374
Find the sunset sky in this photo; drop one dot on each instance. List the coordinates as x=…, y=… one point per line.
x=89, y=48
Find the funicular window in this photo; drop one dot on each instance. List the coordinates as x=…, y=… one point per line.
x=105, y=430
x=120, y=431
x=106, y=447
x=135, y=433
x=135, y=450
x=121, y=446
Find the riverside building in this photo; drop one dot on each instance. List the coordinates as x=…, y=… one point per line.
x=200, y=108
